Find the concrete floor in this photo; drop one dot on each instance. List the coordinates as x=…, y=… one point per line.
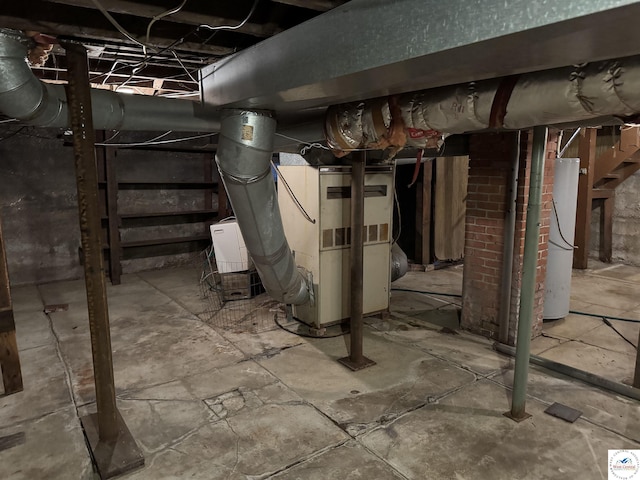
x=214, y=403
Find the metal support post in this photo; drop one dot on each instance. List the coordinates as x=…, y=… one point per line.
x=9, y=356
x=356, y=360
x=529, y=272
x=114, y=449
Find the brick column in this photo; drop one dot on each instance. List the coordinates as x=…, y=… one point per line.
x=487, y=199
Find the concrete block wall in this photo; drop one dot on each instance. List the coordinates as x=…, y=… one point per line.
x=487, y=203
x=39, y=211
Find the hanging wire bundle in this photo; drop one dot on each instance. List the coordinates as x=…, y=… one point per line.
x=235, y=298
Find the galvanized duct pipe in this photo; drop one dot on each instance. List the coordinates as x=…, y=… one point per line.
x=596, y=93
x=399, y=263
x=24, y=97
x=244, y=158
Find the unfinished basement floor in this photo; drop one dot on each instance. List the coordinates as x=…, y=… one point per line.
x=207, y=402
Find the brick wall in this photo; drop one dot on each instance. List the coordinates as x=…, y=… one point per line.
x=487, y=203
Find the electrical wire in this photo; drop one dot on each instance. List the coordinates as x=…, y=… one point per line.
x=115, y=23
x=608, y=323
x=232, y=27
x=395, y=198
x=13, y=134
x=149, y=142
x=307, y=146
x=9, y=120
x=160, y=16
x=426, y=292
x=555, y=214
x=183, y=67
x=291, y=194
x=304, y=335
x=608, y=317
x=112, y=136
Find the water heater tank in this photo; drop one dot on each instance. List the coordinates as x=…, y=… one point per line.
x=563, y=222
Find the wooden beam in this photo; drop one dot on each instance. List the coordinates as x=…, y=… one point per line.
x=184, y=16
x=601, y=193
x=9, y=356
x=115, y=250
x=587, y=153
x=630, y=166
x=606, y=228
x=423, y=245
x=317, y=5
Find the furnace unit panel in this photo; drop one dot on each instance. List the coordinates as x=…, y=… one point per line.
x=324, y=247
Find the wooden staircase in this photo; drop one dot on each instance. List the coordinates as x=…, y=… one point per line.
x=599, y=177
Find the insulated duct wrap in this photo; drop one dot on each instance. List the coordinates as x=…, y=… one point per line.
x=244, y=159
x=26, y=98
x=588, y=94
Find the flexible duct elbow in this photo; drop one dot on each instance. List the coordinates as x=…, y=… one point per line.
x=22, y=95
x=26, y=98
x=244, y=159
x=399, y=263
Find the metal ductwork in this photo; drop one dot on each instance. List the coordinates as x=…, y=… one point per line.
x=24, y=97
x=399, y=263
x=244, y=154
x=596, y=93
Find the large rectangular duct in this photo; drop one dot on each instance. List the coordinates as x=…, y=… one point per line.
x=371, y=48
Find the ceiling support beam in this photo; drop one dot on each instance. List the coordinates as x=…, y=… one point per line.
x=318, y=5
x=127, y=7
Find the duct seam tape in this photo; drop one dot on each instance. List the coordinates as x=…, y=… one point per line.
x=229, y=248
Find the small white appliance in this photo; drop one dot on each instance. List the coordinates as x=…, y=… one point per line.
x=229, y=247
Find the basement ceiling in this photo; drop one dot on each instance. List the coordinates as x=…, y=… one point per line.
x=180, y=36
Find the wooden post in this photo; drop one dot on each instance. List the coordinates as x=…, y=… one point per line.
x=9, y=357
x=606, y=228
x=587, y=154
x=423, y=215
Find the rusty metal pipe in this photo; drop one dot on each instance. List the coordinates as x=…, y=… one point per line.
x=356, y=359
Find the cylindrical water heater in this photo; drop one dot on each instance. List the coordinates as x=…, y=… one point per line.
x=563, y=222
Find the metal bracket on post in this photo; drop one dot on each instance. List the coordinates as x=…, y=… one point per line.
x=113, y=448
x=356, y=360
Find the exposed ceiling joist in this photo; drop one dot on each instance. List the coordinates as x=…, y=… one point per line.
x=184, y=16
x=318, y=5
x=181, y=43
x=59, y=23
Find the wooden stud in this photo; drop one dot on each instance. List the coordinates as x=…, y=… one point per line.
x=9, y=356
x=423, y=245
x=115, y=248
x=587, y=153
x=606, y=228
